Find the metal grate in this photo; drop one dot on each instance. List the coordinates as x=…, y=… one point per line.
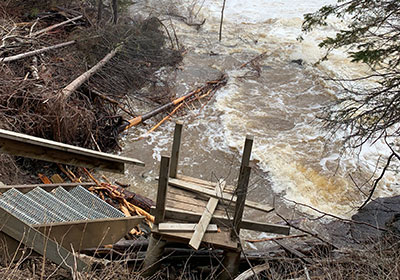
x=68, y=199
x=95, y=203
x=29, y=207
x=17, y=213
x=55, y=205
x=41, y=207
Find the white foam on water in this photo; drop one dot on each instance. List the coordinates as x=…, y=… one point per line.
x=281, y=110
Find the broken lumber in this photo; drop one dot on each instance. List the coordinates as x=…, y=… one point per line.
x=184, y=227
x=253, y=271
x=206, y=217
x=213, y=85
x=224, y=221
x=227, y=197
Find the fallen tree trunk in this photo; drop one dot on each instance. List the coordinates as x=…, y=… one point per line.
x=212, y=85
x=35, y=52
x=75, y=84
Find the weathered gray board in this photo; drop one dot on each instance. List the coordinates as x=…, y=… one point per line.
x=41, y=244
x=34, y=147
x=187, y=216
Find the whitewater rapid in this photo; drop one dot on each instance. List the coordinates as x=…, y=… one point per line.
x=279, y=106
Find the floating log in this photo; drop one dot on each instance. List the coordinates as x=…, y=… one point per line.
x=211, y=85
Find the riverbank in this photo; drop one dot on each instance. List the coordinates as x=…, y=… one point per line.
x=212, y=141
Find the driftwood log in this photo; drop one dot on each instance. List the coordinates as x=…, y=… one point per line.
x=210, y=86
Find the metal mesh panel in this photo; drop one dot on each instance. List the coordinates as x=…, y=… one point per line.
x=17, y=213
x=55, y=205
x=68, y=199
x=95, y=203
x=30, y=208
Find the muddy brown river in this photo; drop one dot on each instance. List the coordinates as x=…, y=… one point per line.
x=293, y=158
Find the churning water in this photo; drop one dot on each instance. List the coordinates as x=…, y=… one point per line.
x=279, y=104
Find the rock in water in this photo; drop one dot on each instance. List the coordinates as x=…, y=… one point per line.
x=383, y=213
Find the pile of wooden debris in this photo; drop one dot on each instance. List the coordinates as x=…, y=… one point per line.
x=69, y=76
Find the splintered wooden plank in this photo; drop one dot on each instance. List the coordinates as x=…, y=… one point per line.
x=226, y=197
x=206, y=217
x=178, y=214
x=56, y=179
x=38, y=148
x=221, y=239
x=32, y=238
x=184, y=227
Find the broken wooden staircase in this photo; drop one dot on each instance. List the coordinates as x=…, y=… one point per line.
x=196, y=212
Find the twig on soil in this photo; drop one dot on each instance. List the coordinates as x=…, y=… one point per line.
x=55, y=26
x=99, y=94
x=306, y=231
x=275, y=238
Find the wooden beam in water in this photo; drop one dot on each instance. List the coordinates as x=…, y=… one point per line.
x=38, y=148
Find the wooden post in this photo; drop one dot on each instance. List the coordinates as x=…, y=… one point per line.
x=248, y=144
x=175, y=150
x=241, y=193
x=230, y=265
x=154, y=254
x=162, y=190
x=156, y=246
